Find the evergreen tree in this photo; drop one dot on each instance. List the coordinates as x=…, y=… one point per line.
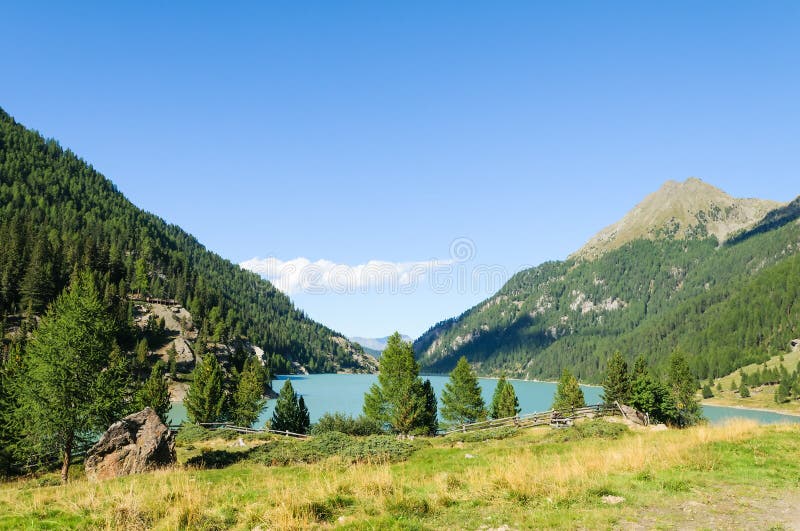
x=744, y=390
x=461, y=398
x=303, y=416
x=707, y=392
x=74, y=385
x=248, y=399
x=504, y=401
x=141, y=352
x=172, y=361
x=430, y=420
x=683, y=386
x=205, y=399
x=397, y=399
x=290, y=412
x=569, y=394
x=155, y=392
x=617, y=381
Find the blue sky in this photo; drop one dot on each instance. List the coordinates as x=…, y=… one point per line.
x=339, y=133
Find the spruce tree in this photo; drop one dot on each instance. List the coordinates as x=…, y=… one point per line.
x=430, y=419
x=290, y=412
x=504, y=401
x=248, y=399
x=75, y=383
x=744, y=390
x=569, y=394
x=461, y=398
x=205, y=399
x=683, y=387
x=398, y=399
x=617, y=381
x=303, y=416
x=155, y=392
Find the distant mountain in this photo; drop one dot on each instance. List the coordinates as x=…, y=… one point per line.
x=692, y=209
x=375, y=345
x=58, y=215
x=657, y=281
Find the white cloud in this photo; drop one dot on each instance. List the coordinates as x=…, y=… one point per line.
x=301, y=275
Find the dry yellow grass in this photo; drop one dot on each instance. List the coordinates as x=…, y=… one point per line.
x=245, y=496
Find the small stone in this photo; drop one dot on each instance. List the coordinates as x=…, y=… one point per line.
x=469, y=456
x=612, y=500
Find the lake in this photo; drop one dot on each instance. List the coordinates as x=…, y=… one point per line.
x=327, y=393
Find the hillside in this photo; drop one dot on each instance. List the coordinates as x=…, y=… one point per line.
x=692, y=209
x=58, y=215
x=725, y=306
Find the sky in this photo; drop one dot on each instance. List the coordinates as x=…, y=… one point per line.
x=390, y=164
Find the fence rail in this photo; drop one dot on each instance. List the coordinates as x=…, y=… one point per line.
x=553, y=417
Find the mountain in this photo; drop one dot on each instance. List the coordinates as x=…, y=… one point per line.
x=58, y=215
x=375, y=345
x=692, y=209
x=725, y=305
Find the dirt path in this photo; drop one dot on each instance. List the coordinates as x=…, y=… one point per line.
x=724, y=509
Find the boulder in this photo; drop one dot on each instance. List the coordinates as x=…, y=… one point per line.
x=137, y=443
x=633, y=415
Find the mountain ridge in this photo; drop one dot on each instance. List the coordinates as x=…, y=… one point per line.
x=59, y=215
x=691, y=209
x=647, y=296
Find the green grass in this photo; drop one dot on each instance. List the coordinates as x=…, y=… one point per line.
x=705, y=477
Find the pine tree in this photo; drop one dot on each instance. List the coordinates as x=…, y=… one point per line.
x=141, y=352
x=248, y=399
x=683, y=386
x=569, y=394
x=744, y=390
x=462, y=402
x=397, y=399
x=172, y=361
x=303, y=416
x=430, y=420
x=205, y=399
x=617, y=381
x=504, y=401
x=290, y=412
x=155, y=392
x=74, y=384
x=707, y=392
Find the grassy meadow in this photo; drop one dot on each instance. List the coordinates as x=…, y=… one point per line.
x=597, y=475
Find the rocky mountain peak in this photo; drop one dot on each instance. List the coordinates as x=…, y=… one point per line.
x=680, y=210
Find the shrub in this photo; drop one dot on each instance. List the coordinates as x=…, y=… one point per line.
x=339, y=422
x=593, y=429
x=190, y=433
x=215, y=459
x=484, y=435
x=381, y=448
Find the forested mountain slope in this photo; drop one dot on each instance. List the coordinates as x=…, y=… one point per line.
x=58, y=215
x=723, y=305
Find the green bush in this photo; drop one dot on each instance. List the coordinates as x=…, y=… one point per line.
x=191, y=433
x=215, y=459
x=381, y=448
x=361, y=425
x=484, y=435
x=593, y=429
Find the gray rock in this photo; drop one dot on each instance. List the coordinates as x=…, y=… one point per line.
x=137, y=443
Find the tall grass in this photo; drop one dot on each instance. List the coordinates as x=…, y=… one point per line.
x=435, y=480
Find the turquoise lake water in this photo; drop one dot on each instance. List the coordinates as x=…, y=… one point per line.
x=327, y=393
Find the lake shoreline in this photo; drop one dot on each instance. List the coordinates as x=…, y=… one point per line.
x=759, y=409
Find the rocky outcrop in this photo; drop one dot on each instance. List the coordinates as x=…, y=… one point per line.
x=137, y=443
x=633, y=415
